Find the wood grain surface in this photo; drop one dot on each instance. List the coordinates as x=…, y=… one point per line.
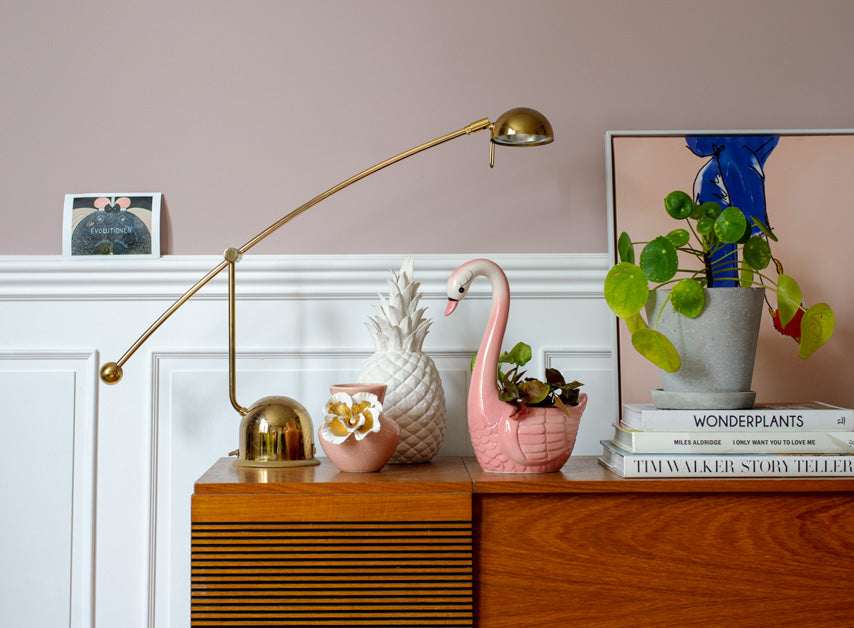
x=685, y=559
x=448, y=544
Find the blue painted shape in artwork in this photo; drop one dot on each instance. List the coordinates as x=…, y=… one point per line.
x=734, y=176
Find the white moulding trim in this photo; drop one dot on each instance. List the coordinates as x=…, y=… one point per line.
x=53, y=278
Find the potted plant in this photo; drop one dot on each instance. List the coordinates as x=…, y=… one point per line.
x=726, y=245
x=528, y=392
x=510, y=432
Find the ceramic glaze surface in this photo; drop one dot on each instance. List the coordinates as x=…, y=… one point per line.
x=375, y=449
x=542, y=439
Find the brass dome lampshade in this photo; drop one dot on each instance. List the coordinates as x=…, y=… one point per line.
x=522, y=127
x=277, y=431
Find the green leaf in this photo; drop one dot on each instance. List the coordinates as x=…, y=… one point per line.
x=746, y=276
x=626, y=289
x=789, y=298
x=655, y=347
x=625, y=249
x=533, y=391
x=697, y=212
x=521, y=354
x=678, y=204
x=659, y=260
x=688, y=298
x=730, y=225
x=757, y=252
x=705, y=225
x=633, y=323
x=816, y=329
x=678, y=237
x=711, y=209
x=765, y=229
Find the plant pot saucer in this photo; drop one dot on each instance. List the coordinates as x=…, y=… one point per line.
x=672, y=400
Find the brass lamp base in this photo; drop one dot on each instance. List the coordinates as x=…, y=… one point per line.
x=276, y=432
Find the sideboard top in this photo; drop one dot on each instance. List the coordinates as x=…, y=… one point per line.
x=582, y=474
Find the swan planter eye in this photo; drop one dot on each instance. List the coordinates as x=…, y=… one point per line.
x=508, y=438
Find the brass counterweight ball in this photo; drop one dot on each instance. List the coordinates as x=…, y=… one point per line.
x=111, y=373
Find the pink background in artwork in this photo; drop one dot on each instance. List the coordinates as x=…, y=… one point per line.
x=807, y=192
x=240, y=111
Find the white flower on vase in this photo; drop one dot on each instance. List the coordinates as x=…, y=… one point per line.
x=345, y=415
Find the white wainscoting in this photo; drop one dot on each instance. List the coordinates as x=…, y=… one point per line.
x=113, y=481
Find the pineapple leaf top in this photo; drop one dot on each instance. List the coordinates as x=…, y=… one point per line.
x=400, y=325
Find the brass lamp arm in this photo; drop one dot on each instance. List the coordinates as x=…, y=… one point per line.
x=111, y=372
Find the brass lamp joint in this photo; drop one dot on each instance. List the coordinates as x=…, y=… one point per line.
x=480, y=125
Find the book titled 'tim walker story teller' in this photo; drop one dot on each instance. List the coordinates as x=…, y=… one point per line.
x=631, y=465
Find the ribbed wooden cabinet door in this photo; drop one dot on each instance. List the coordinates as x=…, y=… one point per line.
x=332, y=560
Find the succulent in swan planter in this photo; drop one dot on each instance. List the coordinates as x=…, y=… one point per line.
x=505, y=439
x=529, y=392
x=727, y=245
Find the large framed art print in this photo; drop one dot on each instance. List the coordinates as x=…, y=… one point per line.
x=798, y=182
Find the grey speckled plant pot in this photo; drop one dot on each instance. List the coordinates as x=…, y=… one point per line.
x=717, y=349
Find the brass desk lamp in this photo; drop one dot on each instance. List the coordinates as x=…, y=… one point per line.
x=277, y=431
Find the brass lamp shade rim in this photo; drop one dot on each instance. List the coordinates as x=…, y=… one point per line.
x=522, y=126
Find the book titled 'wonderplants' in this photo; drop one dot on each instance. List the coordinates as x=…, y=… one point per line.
x=804, y=416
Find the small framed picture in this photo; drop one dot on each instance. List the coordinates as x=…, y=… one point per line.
x=111, y=224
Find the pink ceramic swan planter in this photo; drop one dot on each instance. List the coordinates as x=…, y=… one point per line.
x=541, y=440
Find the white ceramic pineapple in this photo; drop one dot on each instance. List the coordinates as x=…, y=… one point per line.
x=415, y=397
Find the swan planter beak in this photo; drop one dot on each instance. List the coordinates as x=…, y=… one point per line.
x=504, y=440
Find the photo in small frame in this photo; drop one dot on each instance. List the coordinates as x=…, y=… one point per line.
x=111, y=225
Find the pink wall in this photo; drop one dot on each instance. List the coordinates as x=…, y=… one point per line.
x=240, y=111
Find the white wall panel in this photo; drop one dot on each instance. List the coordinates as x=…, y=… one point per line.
x=46, y=527
x=300, y=327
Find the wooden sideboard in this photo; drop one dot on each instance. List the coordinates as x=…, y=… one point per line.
x=446, y=544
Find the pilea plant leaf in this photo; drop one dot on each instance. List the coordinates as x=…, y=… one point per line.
x=711, y=209
x=659, y=260
x=626, y=289
x=757, y=252
x=816, y=329
x=625, y=249
x=745, y=277
x=679, y=237
x=789, y=298
x=705, y=225
x=730, y=225
x=633, y=323
x=678, y=204
x=765, y=229
x=655, y=347
x=688, y=298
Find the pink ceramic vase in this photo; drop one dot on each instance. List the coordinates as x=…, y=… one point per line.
x=372, y=452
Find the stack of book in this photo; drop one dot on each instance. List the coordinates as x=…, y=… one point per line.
x=781, y=440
